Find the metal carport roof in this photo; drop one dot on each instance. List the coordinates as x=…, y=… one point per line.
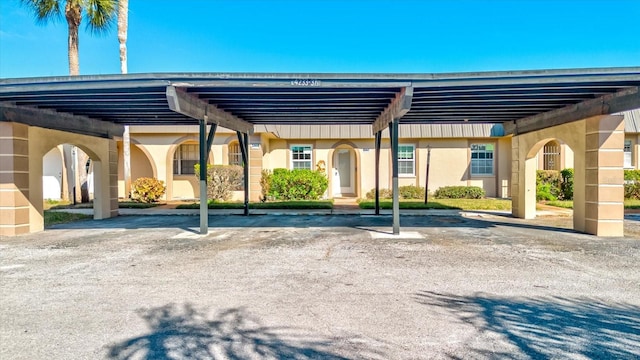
x=490, y=97
x=521, y=100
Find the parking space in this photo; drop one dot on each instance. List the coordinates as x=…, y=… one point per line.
x=476, y=285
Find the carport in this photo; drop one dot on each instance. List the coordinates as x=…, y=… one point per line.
x=531, y=105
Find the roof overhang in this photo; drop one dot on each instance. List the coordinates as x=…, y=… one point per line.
x=241, y=101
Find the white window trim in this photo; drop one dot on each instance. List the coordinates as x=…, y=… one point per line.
x=630, y=152
x=292, y=161
x=178, y=156
x=413, y=174
x=493, y=160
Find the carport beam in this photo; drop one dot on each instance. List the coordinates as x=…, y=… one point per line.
x=393, y=134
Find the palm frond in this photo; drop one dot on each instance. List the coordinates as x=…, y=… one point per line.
x=44, y=10
x=100, y=15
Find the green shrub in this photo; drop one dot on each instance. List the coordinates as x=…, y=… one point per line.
x=544, y=192
x=632, y=190
x=147, y=190
x=554, y=185
x=297, y=184
x=459, y=192
x=632, y=175
x=222, y=180
x=566, y=186
x=411, y=192
x=548, y=181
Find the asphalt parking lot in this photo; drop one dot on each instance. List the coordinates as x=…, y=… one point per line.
x=479, y=286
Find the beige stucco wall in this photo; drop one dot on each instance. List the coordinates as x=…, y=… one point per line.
x=449, y=163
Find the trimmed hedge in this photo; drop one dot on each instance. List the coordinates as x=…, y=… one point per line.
x=297, y=184
x=408, y=192
x=459, y=192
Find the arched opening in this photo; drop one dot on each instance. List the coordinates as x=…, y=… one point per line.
x=53, y=174
x=141, y=166
x=554, y=186
x=67, y=174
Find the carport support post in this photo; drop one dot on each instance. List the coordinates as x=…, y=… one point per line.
x=243, y=139
x=393, y=134
x=204, y=206
x=377, y=146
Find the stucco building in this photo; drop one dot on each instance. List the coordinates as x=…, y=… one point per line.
x=458, y=154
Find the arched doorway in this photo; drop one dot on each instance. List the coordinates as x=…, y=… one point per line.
x=344, y=173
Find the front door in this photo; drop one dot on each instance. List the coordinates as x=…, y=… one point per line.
x=344, y=165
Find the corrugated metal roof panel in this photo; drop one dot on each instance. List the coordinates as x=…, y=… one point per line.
x=632, y=121
x=364, y=131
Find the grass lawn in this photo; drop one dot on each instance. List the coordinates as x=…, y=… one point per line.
x=59, y=217
x=461, y=204
x=565, y=204
x=568, y=204
x=63, y=204
x=310, y=204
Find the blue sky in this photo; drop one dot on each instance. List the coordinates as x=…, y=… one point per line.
x=401, y=36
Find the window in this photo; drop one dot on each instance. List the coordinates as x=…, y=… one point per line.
x=301, y=157
x=627, y=154
x=185, y=158
x=235, y=154
x=551, y=156
x=481, y=159
x=406, y=160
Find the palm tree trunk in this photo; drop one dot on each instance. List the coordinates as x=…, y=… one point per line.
x=73, y=14
x=123, y=20
x=123, y=23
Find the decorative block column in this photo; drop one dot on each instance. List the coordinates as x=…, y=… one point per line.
x=255, y=168
x=14, y=179
x=604, y=176
x=523, y=180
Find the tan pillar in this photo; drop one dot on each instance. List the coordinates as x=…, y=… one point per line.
x=604, y=176
x=106, y=182
x=255, y=168
x=14, y=179
x=523, y=180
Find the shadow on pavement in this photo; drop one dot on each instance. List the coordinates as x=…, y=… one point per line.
x=191, y=223
x=184, y=332
x=543, y=328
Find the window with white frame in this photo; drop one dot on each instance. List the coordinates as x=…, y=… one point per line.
x=481, y=159
x=627, y=154
x=185, y=158
x=406, y=160
x=301, y=157
x=235, y=154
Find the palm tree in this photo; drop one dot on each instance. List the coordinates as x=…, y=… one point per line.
x=123, y=22
x=99, y=14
